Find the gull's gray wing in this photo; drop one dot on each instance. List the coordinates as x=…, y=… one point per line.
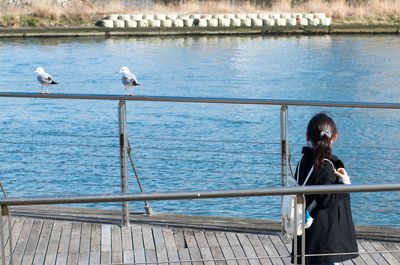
x=129, y=79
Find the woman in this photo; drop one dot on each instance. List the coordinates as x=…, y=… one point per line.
x=332, y=230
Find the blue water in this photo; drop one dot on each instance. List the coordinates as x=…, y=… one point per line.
x=57, y=147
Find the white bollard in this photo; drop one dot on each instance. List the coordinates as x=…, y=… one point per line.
x=188, y=22
x=160, y=17
x=326, y=21
x=177, y=23
x=256, y=22
x=207, y=16
x=275, y=15
x=212, y=22
x=166, y=23
x=124, y=17
x=172, y=16
x=235, y=22
x=313, y=22
x=131, y=23
x=202, y=23
x=194, y=16
x=320, y=15
x=112, y=17
x=119, y=23
x=263, y=16
x=155, y=23
x=291, y=22
x=308, y=15
x=143, y=24
x=280, y=22
x=303, y=21
x=269, y=22
x=148, y=17
x=241, y=16
x=107, y=23
x=246, y=22
x=224, y=22
x=230, y=15
x=136, y=17
x=218, y=16
x=251, y=16
x=286, y=15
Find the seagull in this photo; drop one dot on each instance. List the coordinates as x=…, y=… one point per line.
x=44, y=79
x=129, y=80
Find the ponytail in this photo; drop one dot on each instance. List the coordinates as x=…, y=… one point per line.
x=322, y=150
x=320, y=131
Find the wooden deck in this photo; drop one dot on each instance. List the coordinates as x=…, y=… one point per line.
x=48, y=241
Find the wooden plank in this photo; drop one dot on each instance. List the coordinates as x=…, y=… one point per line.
x=43, y=243
x=158, y=237
x=179, y=239
x=116, y=244
x=194, y=250
x=72, y=258
x=237, y=249
x=138, y=245
x=32, y=242
x=248, y=249
x=105, y=255
x=226, y=248
x=62, y=252
x=6, y=231
x=95, y=244
x=127, y=246
x=148, y=240
x=391, y=247
x=150, y=255
x=184, y=256
x=376, y=256
x=55, y=236
x=22, y=241
x=15, y=234
x=137, y=237
x=365, y=256
x=205, y=250
x=216, y=251
x=271, y=250
x=172, y=251
x=281, y=248
x=390, y=259
x=211, y=239
x=259, y=249
x=84, y=244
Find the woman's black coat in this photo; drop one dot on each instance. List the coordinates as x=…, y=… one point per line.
x=332, y=230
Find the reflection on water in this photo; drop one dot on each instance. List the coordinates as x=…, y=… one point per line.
x=59, y=146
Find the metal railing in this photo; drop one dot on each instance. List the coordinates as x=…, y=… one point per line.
x=124, y=148
x=192, y=195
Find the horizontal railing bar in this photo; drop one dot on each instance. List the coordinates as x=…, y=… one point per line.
x=189, y=195
x=280, y=102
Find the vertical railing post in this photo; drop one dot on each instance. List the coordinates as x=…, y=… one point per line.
x=123, y=147
x=303, y=228
x=284, y=149
x=2, y=242
x=284, y=120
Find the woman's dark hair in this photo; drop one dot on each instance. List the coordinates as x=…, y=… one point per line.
x=320, y=131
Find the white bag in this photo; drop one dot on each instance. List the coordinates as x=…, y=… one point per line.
x=288, y=209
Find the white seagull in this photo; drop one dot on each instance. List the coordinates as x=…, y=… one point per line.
x=44, y=79
x=129, y=80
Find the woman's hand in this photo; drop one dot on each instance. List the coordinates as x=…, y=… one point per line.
x=343, y=177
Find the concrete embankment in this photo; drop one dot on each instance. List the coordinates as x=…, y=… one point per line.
x=170, y=31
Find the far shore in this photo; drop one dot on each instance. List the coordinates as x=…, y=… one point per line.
x=265, y=30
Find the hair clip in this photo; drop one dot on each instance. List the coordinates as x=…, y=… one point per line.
x=325, y=132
